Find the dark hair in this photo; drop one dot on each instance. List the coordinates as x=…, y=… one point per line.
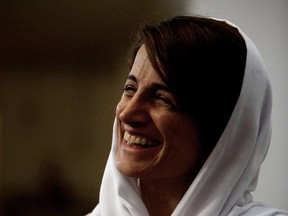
x=203, y=61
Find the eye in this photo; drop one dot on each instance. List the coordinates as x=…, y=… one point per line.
x=129, y=90
x=165, y=99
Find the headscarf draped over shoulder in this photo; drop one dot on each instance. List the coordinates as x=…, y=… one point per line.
x=223, y=185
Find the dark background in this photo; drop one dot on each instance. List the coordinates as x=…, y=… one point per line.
x=62, y=66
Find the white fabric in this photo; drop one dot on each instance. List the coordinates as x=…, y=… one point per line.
x=225, y=181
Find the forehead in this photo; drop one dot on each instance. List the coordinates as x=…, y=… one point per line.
x=142, y=68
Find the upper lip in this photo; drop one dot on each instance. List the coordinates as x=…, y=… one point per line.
x=139, y=135
x=136, y=133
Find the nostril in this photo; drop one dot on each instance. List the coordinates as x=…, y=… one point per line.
x=135, y=124
x=134, y=119
x=133, y=115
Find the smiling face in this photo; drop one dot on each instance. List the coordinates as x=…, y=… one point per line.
x=156, y=139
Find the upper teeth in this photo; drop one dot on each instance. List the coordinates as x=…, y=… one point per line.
x=137, y=140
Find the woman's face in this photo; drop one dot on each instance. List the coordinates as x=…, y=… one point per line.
x=156, y=140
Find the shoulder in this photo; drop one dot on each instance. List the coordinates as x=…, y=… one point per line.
x=95, y=212
x=256, y=209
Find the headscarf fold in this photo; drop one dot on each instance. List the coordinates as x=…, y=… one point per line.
x=224, y=184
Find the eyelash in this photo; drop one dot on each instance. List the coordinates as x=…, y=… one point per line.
x=129, y=90
x=164, y=99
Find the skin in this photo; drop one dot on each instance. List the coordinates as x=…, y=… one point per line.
x=148, y=109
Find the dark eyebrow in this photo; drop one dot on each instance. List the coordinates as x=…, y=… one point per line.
x=132, y=77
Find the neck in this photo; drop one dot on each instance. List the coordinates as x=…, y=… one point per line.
x=162, y=196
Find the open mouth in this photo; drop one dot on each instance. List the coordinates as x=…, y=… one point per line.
x=139, y=142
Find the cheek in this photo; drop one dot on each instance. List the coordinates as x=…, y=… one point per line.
x=181, y=152
x=182, y=132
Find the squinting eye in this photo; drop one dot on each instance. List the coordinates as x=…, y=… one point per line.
x=165, y=99
x=129, y=90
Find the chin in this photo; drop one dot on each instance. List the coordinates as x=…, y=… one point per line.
x=127, y=169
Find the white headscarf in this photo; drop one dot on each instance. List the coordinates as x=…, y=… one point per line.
x=223, y=185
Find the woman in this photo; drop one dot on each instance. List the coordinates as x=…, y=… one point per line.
x=193, y=125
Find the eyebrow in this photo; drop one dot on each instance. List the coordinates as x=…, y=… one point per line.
x=154, y=86
x=132, y=77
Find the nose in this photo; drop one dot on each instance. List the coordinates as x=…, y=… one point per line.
x=133, y=112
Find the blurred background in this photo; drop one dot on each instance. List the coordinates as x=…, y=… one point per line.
x=62, y=67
